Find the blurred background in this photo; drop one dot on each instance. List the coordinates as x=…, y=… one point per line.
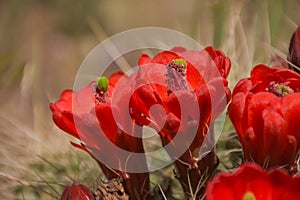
x=42, y=44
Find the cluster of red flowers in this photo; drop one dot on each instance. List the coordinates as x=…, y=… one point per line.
x=192, y=90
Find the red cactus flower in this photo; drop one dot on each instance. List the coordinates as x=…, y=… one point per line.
x=77, y=192
x=294, y=51
x=264, y=110
x=191, y=88
x=88, y=116
x=250, y=182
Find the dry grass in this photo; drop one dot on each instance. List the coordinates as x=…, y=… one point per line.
x=43, y=44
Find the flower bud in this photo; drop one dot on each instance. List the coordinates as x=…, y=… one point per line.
x=77, y=192
x=294, y=51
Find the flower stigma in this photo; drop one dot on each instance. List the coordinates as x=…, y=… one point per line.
x=101, y=88
x=102, y=83
x=249, y=196
x=279, y=89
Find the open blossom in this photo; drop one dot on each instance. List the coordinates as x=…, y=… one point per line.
x=265, y=112
x=294, y=50
x=251, y=182
x=191, y=88
x=77, y=192
x=88, y=116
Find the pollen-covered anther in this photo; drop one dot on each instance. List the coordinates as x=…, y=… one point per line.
x=279, y=89
x=176, y=75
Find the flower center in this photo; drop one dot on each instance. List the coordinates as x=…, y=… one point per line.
x=176, y=75
x=279, y=89
x=249, y=196
x=101, y=88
